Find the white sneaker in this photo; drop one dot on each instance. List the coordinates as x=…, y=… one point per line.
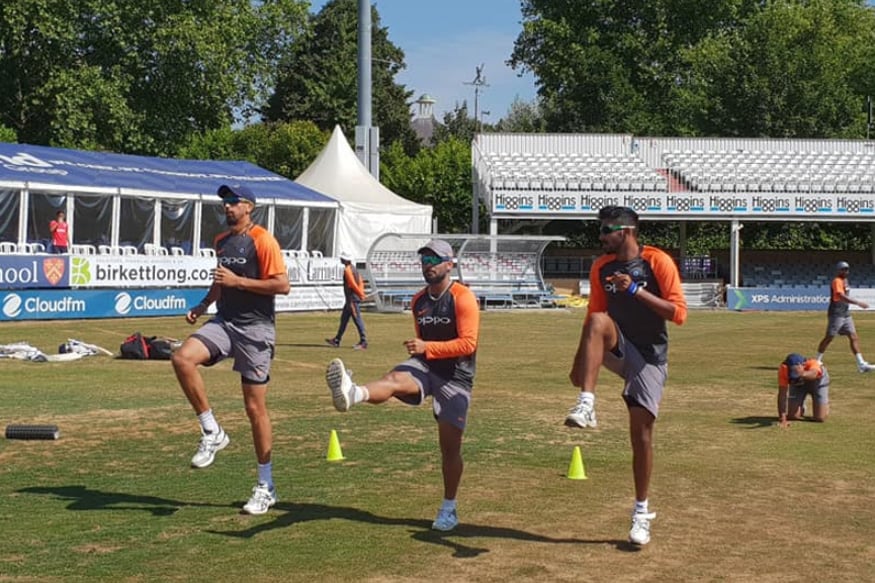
x=640, y=531
x=207, y=448
x=581, y=415
x=263, y=497
x=865, y=367
x=446, y=520
x=340, y=384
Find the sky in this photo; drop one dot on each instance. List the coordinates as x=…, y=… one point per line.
x=444, y=41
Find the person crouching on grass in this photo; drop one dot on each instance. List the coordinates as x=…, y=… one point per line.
x=799, y=377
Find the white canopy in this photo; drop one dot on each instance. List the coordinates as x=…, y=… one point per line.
x=367, y=208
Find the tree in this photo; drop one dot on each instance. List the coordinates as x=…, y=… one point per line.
x=439, y=176
x=522, y=117
x=135, y=76
x=7, y=134
x=285, y=148
x=793, y=70
x=318, y=77
x=684, y=67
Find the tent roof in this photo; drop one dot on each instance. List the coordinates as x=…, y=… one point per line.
x=24, y=165
x=339, y=173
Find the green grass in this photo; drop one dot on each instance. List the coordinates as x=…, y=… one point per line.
x=737, y=498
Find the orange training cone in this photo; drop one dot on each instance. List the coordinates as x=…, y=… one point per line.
x=575, y=468
x=334, y=452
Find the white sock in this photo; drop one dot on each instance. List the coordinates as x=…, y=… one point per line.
x=208, y=422
x=586, y=397
x=265, y=473
x=448, y=504
x=860, y=359
x=360, y=394
x=819, y=357
x=641, y=507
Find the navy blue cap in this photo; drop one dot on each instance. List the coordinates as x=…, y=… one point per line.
x=240, y=191
x=792, y=360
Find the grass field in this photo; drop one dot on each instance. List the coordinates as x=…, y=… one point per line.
x=738, y=499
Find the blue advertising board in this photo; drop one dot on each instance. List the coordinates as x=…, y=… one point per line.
x=778, y=299
x=70, y=304
x=34, y=271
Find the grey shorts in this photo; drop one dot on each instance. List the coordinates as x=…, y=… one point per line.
x=819, y=390
x=840, y=325
x=252, y=347
x=451, y=398
x=644, y=381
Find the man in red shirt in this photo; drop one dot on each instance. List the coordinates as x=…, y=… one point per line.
x=58, y=228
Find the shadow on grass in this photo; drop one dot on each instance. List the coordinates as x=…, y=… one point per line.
x=83, y=498
x=420, y=530
x=287, y=514
x=325, y=345
x=754, y=422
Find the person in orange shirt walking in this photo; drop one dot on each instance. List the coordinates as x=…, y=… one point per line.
x=353, y=294
x=634, y=290
x=839, y=320
x=799, y=377
x=441, y=363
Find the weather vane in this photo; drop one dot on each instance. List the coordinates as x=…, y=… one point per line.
x=478, y=83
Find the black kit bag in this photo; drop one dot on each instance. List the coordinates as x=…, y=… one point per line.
x=159, y=348
x=135, y=347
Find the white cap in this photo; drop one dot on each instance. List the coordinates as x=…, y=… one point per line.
x=345, y=256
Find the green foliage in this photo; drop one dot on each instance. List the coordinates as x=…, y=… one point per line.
x=7, y=134
x=439, y=176
x=725, y=67
x=318, y=77
x=136, y=77
x=522, y=117
x=285, y=148
x=791, y=71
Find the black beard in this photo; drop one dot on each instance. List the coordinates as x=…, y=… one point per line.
x=231, y=221
x=435, y=278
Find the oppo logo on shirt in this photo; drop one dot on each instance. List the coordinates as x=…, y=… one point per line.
x=433, y=320
x=232, y=260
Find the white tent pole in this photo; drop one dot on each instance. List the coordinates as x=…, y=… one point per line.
x=196, y=231
x=305, y=227
x=157, y=212
x=24, y=207
x=116, y=218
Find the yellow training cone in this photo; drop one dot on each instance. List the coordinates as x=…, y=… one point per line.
x=575, y=468
x=334, y=452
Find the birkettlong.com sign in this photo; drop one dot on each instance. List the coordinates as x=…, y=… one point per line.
x=671, y=204
x=98, y=286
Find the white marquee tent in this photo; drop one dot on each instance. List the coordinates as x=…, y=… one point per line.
x=367, y=208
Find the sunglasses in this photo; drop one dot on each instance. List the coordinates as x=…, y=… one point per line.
x=608, y=229
x=432, y=259
x=232, y=200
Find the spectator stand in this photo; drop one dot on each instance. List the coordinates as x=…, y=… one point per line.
x=503, y=271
